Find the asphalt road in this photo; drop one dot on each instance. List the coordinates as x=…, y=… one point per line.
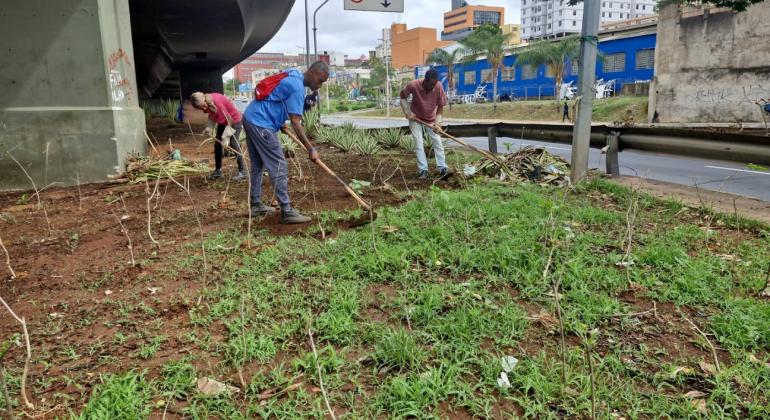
x=715, y=175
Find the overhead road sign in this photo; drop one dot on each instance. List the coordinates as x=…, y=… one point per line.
x=396, y=6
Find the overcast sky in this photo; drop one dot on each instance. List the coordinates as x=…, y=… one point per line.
x=355, y=33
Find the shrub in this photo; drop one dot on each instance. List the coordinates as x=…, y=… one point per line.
x=366, y=144
x=312, y=122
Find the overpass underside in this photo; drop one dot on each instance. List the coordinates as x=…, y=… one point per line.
x=72, y=73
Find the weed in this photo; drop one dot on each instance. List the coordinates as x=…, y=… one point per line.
x=124, y=396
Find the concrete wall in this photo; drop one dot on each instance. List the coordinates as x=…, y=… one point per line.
x=711, y=64
x=68, y=107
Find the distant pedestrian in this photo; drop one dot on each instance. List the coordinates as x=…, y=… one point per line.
x=565, y=113
x=311, y=101
x=279, y=97
x=428, y=100
x=223, y=114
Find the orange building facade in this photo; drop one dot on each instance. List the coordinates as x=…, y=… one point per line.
x=460, y=22
x=413, y=46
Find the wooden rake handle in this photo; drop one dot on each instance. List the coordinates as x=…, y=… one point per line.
x=328, y=170
x=441, y=132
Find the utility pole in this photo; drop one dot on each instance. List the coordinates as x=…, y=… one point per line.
x=581, y=134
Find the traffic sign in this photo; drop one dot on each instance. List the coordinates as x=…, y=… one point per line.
x=244, y=87
x=396, y=6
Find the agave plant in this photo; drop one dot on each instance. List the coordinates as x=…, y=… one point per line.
x=312, y=122
x=340, y=138
x=288, y=144
x=366, y=144
x=389, y=138
x=168, y=109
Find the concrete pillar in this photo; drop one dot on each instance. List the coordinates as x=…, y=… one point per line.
x=68, y=95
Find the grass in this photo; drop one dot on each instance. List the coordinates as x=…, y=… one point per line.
x=412, y=315
x=604, y=110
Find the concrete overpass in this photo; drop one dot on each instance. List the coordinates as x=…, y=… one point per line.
x=72, y=73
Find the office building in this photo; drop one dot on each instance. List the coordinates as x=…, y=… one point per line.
x=460, y=22
x=555, y=18
x=411, y=47
x=265, y=61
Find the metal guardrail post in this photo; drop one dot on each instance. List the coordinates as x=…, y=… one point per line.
x=492, y=138
x=612, y=160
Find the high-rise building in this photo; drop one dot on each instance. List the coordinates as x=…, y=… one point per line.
x=411, y=47
x=554, y=18
x=460, y=22
x=383, y=49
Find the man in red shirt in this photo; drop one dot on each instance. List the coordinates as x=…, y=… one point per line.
x=427, y=105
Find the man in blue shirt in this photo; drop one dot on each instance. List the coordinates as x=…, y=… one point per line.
x=262, y=120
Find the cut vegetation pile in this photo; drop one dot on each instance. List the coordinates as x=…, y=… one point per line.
x=529, y=164
x=144, y=168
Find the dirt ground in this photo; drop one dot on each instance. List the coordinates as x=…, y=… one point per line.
x=751, y=208
x=73, y=260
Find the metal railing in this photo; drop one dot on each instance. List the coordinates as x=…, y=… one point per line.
x=736, y=147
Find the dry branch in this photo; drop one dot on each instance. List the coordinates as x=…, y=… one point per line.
x=320, y=377
x=7, y=258
x=25, y=372
x=37, y=192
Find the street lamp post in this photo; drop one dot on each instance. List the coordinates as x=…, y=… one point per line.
x=581, y=134
x=315, y=28
x=307, y=40
x=387, y=77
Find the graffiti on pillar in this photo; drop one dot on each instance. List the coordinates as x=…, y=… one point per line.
x=746, y=94
x=120, y=86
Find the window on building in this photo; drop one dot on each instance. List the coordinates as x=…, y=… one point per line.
x=613, y=63
x=550, y=71
x=637, y=7
x=645, y=59
x=603, y=14
x=604, y=4
x=469, y=78
x=559, y=23
x=456, y=79
x=486, y=76
x=549, y=26
x=508, y=74
x=574, y=13
x=528, y=72
x=481, y=17
x=574, y=23
x=523, y=20
x=523, y=2
x=560, y=11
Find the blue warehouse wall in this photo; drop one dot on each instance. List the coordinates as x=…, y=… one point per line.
x=538, y=84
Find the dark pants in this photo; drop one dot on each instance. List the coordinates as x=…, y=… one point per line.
x=266, y=152
x=218, y=148
x=565, y=116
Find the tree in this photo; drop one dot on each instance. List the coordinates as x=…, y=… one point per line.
x=486, y=41
x=231, y=86
x=442, y=57
x=553, y=54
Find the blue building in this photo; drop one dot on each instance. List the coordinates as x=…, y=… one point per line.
x=627, y=56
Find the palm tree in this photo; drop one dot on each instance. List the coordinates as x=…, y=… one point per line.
x=442, y=57
x=553, y=54
x=487, y=41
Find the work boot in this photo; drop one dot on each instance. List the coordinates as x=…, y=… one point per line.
x=444, y=173
x=293, y=217
x=260, y=209
x=240, y=177
x=422, y=175
x=217, y=174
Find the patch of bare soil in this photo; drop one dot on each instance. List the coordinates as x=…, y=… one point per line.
x=751, y=208
x=88, y=308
